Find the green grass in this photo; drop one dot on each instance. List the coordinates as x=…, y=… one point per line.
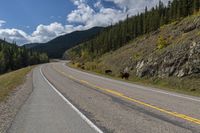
x=9, y=81
x=182, y=86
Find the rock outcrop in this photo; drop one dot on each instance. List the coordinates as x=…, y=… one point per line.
x=180, y=62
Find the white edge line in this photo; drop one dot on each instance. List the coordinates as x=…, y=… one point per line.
x=90, y=123
x=138, y=86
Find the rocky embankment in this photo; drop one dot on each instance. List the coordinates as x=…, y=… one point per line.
x=178, y=61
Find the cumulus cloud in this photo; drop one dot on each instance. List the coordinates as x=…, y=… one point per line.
x=14, y=35
x=43, y=33
x=82, y=14
x=98, y=5
x=103, y=16
x=85, y=15
x=71, y=28
x=137, y=5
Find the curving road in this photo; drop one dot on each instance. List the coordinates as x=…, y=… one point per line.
x=66, y=100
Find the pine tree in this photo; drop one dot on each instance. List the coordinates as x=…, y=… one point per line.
x=13, y=57
x=196, y=5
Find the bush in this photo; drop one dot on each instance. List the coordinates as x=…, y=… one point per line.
x=91, y=66
x=162, y=43
x=78, y=65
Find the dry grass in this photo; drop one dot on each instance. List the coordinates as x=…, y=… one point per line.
x=9, y=81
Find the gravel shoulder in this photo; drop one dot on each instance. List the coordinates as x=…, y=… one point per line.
x=10, y=107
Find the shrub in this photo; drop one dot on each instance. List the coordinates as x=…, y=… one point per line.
x=78, y=65
x=162, y=43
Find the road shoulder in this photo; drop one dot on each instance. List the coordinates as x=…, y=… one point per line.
x=10, y=107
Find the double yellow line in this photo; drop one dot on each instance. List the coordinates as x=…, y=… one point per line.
x=115, y=93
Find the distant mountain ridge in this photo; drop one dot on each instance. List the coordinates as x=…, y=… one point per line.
x=56, y=47
x=31, y=45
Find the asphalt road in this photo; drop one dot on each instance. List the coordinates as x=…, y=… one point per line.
x=66, y=100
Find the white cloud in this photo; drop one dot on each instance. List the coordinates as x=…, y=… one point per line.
x=82, y=14
x=136, y=4
x=103, y=16
x=98, y=5
x=71, y=28
x=14, y=35
x=88, y=17
x=43, y=33
x=2, y=22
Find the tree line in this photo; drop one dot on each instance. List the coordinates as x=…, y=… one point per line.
x=115, y=36
x=13, y=57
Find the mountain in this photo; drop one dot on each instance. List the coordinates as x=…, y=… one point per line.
x=56, y=47
x=168, y=54
x=31, y=45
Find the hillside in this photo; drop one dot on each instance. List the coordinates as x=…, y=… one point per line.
x=167, y=57
x=31, y=45
x=56, y=47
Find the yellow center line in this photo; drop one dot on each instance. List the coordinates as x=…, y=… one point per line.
x=178, y=115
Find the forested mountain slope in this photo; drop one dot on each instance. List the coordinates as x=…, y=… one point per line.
x=31, y=45
x=56, y=47
x=13, y=57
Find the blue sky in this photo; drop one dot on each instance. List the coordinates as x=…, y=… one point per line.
x=28, y=14
x=28, y=21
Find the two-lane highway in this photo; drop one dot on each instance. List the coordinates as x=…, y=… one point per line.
x=66, y=100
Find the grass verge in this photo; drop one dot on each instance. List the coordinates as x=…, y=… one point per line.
x=182, y=86
x=9, y=81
